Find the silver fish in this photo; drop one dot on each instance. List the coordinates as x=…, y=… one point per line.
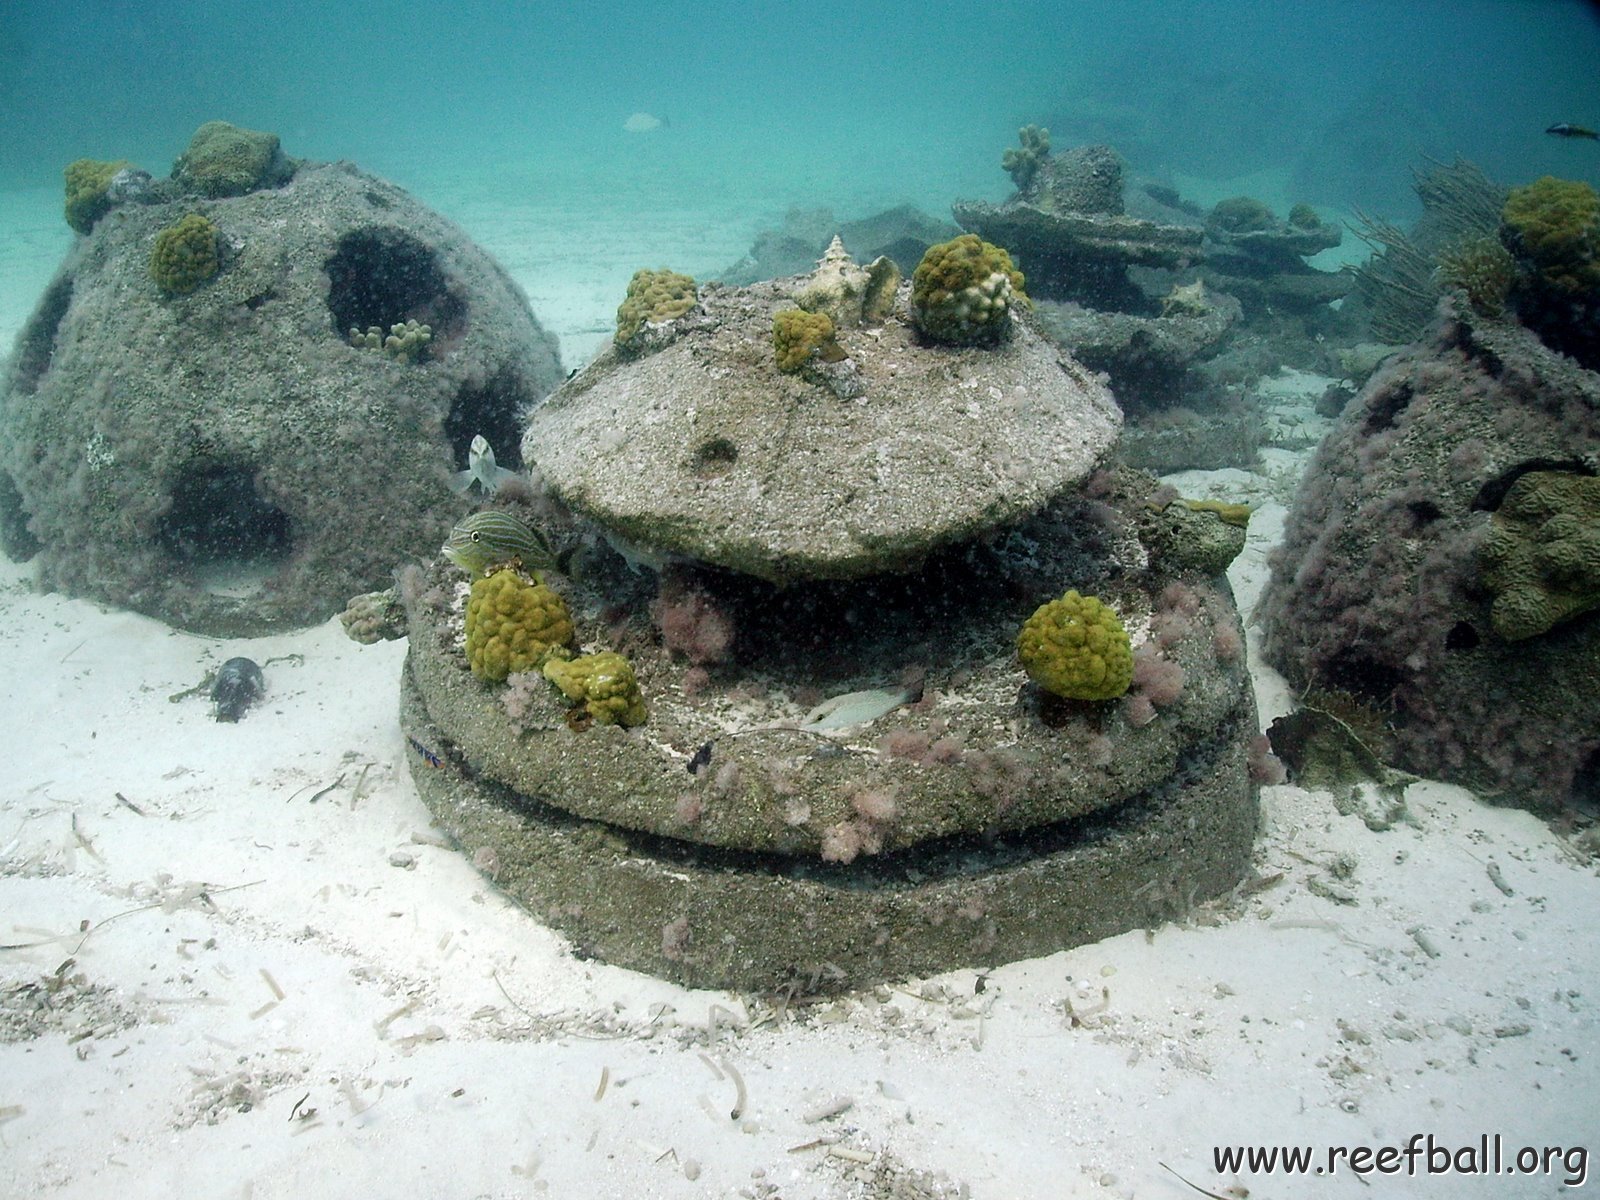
x=481, y=469
x=840, y=713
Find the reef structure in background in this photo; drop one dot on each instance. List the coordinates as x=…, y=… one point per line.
x=901, y=234
x=1072, y=235
x=800, y=748
x=186, y=429
x=1164, y=297
x=1260, y=258
x=1441, y=563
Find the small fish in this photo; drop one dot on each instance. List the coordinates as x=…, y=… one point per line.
x=857, y=708
x=481, y=469
x=238, y=685
x=643, y=122
x=428, y=756
x=701, y=759
x=486, y=538
x=1566, y=130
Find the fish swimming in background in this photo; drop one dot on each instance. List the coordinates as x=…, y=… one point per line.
x=1565, y=130
x=486, y=538
x=481, y=469
x=238, y=685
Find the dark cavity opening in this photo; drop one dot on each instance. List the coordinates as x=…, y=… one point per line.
x=384, y=277
x=714, y=457
x=1586, y=783
x=36, y=347
x=16, y=539
x=1462, y=636
x=223, y=531
x=1371, y=681
x=1423, y=513
x=493, y=409
x=1387, y=406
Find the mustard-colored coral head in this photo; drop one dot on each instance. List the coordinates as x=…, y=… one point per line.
x=963, y=290
x=1076, y=648
x=603, y=684
x=185, y=255
x=513, y=625
x=1541, y=558
x=653, y=297
x=88, y=183
x=1555, y=225
x=225, y=160
x=798, y=335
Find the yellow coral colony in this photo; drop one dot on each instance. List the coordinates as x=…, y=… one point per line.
x=798, y=335
x=184, y=255
x=513, y=625
x=963, y=290
x=1076, y=648
x=603, y=684
x=88, y=185
x=653, y=297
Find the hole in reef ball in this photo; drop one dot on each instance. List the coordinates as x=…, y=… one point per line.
x=219, y=520
x=490, y=408
x=382, y=277
x=715, y=456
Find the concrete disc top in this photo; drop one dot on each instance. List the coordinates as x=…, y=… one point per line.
x=703, y=449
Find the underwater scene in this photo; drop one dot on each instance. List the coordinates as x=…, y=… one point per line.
x=800, y=602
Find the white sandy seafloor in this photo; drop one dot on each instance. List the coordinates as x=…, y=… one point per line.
x=241, y=963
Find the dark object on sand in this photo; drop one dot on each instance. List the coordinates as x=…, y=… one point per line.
x=239, y=684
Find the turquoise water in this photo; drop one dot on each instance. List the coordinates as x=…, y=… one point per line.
x=513, y=118
x=892, y=101
x=515, y=121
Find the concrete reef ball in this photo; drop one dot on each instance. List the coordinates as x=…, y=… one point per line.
x=1441, y=563
x=802, y=751
x=186, y=430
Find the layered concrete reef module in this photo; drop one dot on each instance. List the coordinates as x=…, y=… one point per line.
x=721, y=919
x=859, y=781
x=189, y=429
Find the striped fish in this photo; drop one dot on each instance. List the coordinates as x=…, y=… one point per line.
x=489, y=538
x=428, y=756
